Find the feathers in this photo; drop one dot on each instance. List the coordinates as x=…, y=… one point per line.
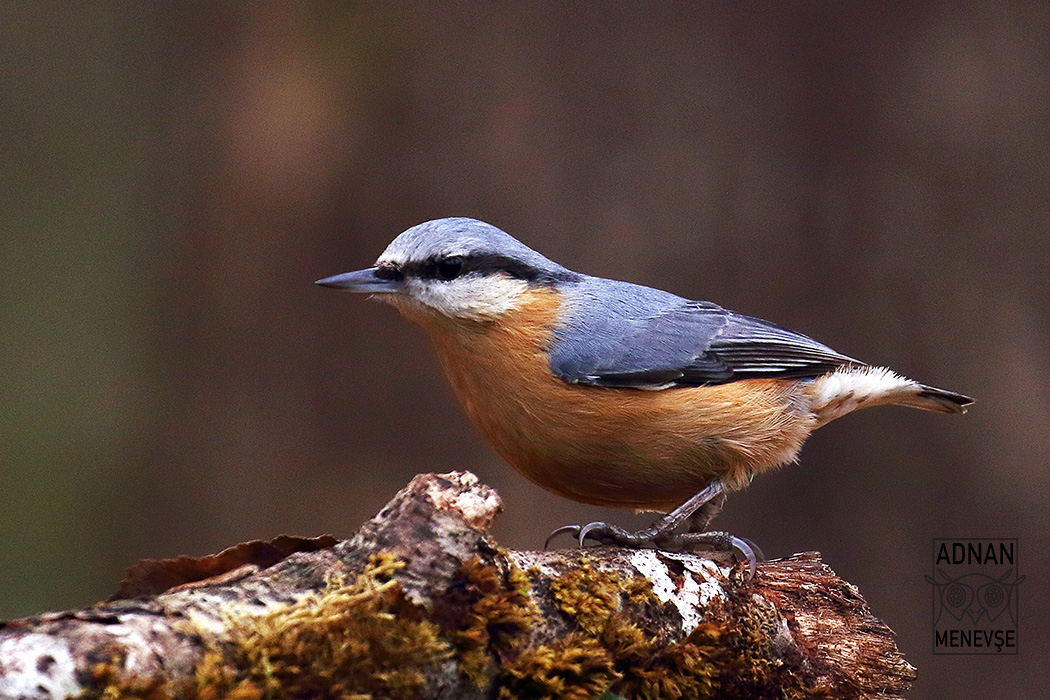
x=938, y=400
x=528, y=346
x=622, y=335
x=639, y=449
x=850, y=388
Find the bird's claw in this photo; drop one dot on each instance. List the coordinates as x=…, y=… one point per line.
x=574, y=530
x=741, y=548
x=603, y=533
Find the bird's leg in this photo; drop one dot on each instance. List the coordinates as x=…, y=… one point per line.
x=705, y=513
x=651, y=536
x=697, y=536
x=698, y=511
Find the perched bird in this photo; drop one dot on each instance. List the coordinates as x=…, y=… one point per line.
x=613, y=393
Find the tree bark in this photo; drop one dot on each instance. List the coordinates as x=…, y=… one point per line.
x=422, y=603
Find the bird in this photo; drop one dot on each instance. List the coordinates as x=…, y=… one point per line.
x=616, y=394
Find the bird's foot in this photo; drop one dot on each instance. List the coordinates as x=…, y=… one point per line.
x=613, y=535
x=658, y=538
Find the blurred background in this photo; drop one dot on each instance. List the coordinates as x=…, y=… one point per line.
x=176, y=175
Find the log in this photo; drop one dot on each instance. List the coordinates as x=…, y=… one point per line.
x=422, y=603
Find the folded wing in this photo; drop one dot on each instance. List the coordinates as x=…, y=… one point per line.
x=690, y=343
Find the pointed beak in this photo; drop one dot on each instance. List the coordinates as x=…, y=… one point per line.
x=362, y=281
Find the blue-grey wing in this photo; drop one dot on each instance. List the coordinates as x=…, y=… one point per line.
x=752, y=347
x=682, y=343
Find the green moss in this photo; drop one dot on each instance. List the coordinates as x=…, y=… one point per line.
x=353, y=641
x=498, y=613
x=106, y=683
x=364, y=639
x=575, y=667
x=588, y=596
x=347, y=641
x=725, y=656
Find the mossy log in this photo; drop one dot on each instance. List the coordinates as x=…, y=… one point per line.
x=421, y=603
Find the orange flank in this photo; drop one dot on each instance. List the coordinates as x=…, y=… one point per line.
x=649, y=450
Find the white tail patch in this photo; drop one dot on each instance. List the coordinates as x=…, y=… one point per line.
x=849, y=388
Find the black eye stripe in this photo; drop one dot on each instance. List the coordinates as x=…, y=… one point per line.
x=389, y=272
x=441, y=268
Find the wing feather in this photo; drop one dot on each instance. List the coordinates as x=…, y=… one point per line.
x=683, y=343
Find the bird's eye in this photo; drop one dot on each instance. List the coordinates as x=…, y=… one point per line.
x=450, y=268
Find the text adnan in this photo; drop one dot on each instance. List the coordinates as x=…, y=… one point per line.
x=976, y=553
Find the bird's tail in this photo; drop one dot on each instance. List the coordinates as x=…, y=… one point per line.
x=852, y=387
x=928, y=398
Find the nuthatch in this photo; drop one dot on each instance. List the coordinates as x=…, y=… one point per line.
x=616, y=394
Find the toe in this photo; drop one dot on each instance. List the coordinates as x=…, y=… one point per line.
x=744, y=552
x=594, y=531
x=571, y=530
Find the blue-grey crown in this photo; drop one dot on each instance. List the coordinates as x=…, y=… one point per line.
x=482, y=247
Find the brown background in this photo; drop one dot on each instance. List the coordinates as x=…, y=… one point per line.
x=176, y=175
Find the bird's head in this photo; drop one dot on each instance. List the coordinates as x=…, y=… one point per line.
x=459, y=268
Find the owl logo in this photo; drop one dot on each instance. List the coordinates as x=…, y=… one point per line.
x=975, y=596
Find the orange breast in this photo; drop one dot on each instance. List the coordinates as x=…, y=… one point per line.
x=619, y=447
